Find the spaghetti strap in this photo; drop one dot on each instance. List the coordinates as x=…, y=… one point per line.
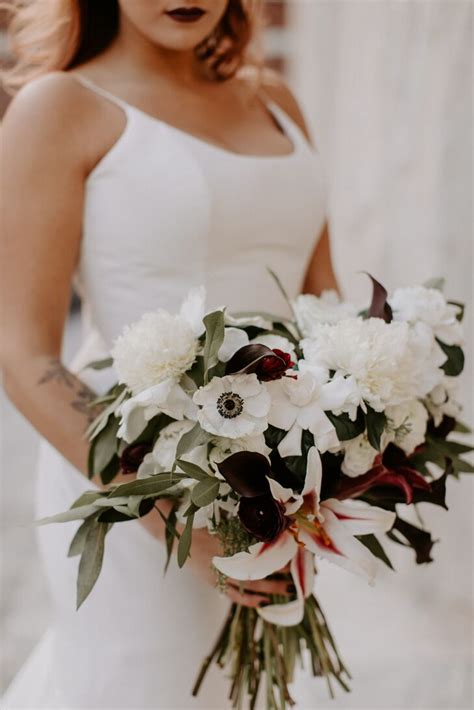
x=89, y=84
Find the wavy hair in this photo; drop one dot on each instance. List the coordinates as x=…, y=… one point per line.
x=61, y=34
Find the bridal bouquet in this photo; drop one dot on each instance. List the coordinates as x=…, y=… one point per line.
x=293, y=440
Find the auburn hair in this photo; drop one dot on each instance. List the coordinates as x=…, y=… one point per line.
x=61, y=34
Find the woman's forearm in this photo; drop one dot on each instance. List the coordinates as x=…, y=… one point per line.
x=55, y=401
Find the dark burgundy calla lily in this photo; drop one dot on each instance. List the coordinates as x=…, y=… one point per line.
x=379, y=307
x=391, y=469
x=246, y=473
x=260, y=514
x=133, y=456
x=266, y=363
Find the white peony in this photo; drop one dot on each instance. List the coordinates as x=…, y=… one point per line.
x=407, y=424
x=443, y=400
x=428, y=305
x=376, y=354
x=163, y=455
x=327, y=308
x=359, y=456
x=233, y=406
x=159, y=346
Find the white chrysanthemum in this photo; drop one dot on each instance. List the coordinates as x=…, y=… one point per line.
x=443, y=400
x=359, y=456
x=407, y=423
x=428, y=305
x=233, y=406
x=327, y=308
x=158, y=347
x=375, y=353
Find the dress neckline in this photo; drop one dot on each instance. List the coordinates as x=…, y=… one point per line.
x=285, y=123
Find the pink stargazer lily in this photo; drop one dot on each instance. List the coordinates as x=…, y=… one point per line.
x=315, y=528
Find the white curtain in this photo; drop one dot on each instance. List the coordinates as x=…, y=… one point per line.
x=387, y=90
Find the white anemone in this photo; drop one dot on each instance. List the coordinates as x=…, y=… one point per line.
x=233, y=406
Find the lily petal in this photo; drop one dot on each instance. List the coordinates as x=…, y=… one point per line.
x=359, y=518
x=262, y=559
x=292, y=613
x=290, y=445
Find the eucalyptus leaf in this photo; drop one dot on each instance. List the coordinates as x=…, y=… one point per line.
x=205, y=492
x=193, y=471
x=79, y=513
x=437, y=282
x=88, y=497
x=214, y=323
x=78, y=541
x=191, y=439
x=152, y=486
x=101, y=421
x=100, y=364
x=91, y=561
x=105, y=446
x=185, y=540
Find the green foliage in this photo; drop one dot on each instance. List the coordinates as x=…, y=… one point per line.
x=190, y=439
x=346, y=428
x=454, y=364
x=205, y=492
x=101, y=364
x=375, y=423
x=185, y=540
x=372, y=543
x=214, y=323
x=91, y=560
x=149, y=487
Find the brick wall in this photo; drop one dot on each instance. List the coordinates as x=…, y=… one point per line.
x=274, y=41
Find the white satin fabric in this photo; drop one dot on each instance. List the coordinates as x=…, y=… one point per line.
x=164, y=211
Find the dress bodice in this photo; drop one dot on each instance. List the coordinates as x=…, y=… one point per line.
x=165, y=211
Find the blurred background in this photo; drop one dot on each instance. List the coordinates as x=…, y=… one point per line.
x=386, y=87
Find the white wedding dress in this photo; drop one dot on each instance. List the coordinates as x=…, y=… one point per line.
x=164, y=211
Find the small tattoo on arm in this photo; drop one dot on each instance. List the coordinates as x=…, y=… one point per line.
x=83, y=396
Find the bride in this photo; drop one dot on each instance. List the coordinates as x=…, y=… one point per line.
x=145, y=153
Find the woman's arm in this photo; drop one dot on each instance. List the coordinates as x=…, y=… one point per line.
x=320, y=272
x=47, y=151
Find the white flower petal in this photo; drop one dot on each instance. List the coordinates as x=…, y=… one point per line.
x=192, y=310
x=234, y=339
x=290, y=445
x=360, y=518
x=262, y=559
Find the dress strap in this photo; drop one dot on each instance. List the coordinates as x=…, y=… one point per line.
x=288, y=126
x=89, y=84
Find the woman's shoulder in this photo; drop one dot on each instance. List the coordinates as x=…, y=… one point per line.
x=55, y=113
x=273, y=84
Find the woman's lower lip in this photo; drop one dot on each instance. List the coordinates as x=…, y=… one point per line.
x=186, y=16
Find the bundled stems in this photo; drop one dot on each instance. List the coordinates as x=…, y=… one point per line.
x=255, y=650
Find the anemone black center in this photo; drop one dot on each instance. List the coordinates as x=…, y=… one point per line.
x=230, y=405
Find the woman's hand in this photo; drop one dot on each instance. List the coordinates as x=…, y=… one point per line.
x=249, y=593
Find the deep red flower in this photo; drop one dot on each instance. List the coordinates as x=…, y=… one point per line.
x=266, y=363
x=274, y=368
x=133, y=456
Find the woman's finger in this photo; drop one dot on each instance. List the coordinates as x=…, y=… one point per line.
x=271, y=586
x=252, y=600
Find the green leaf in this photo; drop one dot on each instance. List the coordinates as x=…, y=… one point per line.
x=285, y=295
x=77, y=513
x=462, y=428
x=100, y=422
x=170, y=534
x=108, y=473
x=91, y=561
x=214, y=323
x=185, y=540
x=346, y=428
x=78, y=541
x=190, y=439
x=205, y=492
x=372, y=544
x=148, y=487
x=105, y=446
x=376, y=423
x=437, y=282
x=193, y=471
x=100, y=364
x=454, y=364
x=461, y=311
x=88, y=497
